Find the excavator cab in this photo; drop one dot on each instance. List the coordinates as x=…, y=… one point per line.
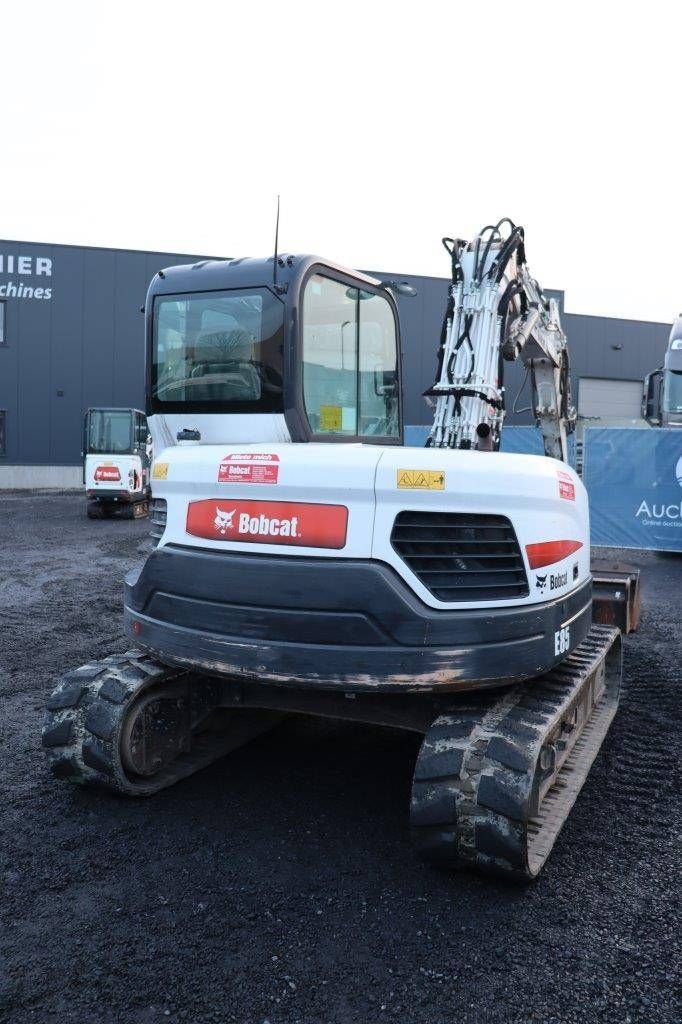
x=116, y=462
x=300, y=351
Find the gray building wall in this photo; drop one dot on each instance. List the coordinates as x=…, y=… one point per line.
x=84, y=346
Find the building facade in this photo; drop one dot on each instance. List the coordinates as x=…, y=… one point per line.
x=71, y=337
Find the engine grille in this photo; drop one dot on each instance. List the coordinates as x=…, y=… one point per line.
x=460, y=556
x=157, y=519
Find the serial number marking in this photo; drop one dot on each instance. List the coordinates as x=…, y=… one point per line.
x=562, y=640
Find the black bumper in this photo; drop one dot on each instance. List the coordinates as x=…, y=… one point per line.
x=335, y=624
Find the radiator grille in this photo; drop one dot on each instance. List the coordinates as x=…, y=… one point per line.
x=157, y=519
x=460, y=556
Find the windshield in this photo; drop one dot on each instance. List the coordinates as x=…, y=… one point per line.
x=672, y=391
x=110, y=431
x=219, y=350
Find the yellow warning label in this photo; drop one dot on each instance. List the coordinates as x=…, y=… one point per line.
x=330, y=417
x=160, y=471
x=422, y=479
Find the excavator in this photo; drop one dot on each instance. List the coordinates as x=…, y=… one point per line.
x=116, y=463
x=306, y=562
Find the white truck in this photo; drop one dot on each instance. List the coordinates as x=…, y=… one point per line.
x=662, y=398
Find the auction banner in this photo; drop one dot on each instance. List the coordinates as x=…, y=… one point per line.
x=634, y=480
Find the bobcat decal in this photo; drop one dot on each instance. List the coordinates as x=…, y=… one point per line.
x=223, y=520
x=541, y=582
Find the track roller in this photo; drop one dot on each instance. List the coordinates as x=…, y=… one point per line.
x=134, y=726
x=496, y=778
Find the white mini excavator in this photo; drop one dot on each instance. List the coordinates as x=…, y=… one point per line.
x=306, y=561
x=116, y=463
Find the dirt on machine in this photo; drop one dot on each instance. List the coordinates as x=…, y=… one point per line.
x=305, y=561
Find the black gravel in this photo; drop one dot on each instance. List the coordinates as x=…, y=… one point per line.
x=279, y=885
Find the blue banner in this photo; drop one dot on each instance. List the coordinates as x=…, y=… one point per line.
x=634, y=480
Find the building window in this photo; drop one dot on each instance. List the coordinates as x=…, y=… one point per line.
x=3, y=340
x=3, y=446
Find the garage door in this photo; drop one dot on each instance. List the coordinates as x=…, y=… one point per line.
x=610, y=399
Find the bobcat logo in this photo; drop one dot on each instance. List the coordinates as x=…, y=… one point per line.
x=541, y=582
x=223, y=520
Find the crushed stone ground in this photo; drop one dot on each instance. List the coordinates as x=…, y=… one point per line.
x=279, y=885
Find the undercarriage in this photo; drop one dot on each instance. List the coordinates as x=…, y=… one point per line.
x=119, y=507
x=496, y=776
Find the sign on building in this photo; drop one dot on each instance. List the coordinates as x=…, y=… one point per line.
x=25, y=277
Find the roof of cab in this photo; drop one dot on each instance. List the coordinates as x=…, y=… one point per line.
x=244, y=272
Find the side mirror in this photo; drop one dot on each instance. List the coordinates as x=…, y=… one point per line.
x=650, y=398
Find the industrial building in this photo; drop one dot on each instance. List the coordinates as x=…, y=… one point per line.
x=71, y=337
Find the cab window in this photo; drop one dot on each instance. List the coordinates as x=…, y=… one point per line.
x=350, y=361
x=141, y=430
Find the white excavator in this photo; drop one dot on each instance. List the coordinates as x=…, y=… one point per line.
x=307, y=562
x=116, y=463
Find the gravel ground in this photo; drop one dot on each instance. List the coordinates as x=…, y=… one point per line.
x=279, y=885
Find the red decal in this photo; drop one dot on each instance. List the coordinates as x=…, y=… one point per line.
x=269, y=522
x=249, y=468
x=107, y=473
x=551, y=551
x=566, y=486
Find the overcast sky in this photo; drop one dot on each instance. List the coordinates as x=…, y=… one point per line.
x=383, y=125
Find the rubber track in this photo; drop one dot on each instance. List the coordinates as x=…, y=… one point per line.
x=85, y=716
x=474, y=797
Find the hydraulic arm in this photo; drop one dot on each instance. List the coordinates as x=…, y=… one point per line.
x=497, y=312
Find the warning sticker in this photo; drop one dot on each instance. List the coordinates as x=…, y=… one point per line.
x=566, y=486
x=160, y=471
x=331, y=417
x=422, y=479
x=249, y=468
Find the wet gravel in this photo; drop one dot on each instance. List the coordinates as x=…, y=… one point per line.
x=279, y=885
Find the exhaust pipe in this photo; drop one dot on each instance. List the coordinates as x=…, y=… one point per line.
x=485, y=438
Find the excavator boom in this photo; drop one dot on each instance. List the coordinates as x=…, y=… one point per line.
x=497, y=312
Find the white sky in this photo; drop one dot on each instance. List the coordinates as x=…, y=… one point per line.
x=384, y=125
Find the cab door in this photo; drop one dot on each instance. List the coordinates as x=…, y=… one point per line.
x=349, y=360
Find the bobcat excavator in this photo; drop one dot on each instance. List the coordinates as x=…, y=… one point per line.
x=116, y=463
x=308, y=562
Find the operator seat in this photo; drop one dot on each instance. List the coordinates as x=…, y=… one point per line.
x=223, y=367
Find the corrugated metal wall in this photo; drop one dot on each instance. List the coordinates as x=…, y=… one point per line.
x=82, y=347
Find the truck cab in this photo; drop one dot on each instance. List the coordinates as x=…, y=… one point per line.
x=662, y=398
